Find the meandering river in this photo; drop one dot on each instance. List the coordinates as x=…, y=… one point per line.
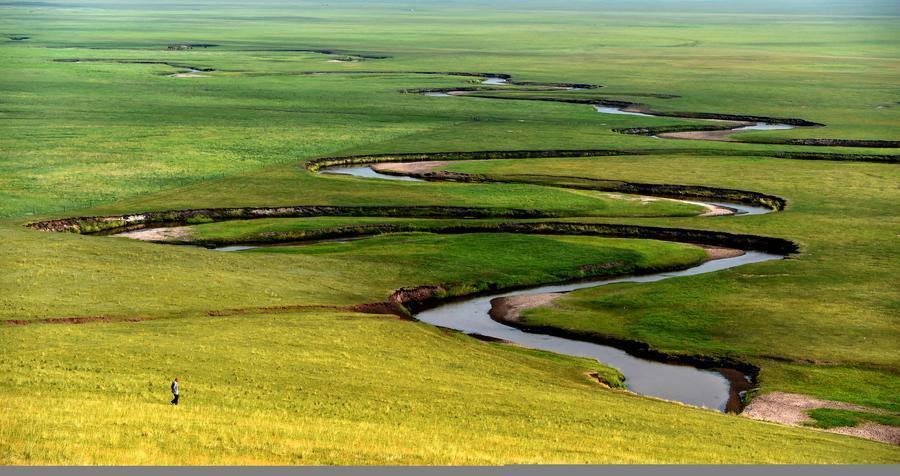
x=682, y=383
x=708, y=388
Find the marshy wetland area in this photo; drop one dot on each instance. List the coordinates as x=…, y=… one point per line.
x=388, y=233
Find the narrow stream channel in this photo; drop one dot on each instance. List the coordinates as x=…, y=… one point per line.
x=365, y=171
x=682, y=383
x=759, y=126
x=620, y=111
x=623, y=110
x=495, y=81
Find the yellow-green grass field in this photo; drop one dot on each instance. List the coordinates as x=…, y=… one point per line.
x=274, y=380
x=338, y=388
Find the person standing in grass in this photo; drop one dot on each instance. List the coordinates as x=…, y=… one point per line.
x=175, y=391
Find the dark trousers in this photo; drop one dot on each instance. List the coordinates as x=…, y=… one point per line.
x=175, y=400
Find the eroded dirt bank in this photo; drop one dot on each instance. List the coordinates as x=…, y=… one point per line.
x=409, y=168
x=122, y=223
x=158, y=234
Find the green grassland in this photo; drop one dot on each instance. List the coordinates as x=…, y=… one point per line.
x=256, y=112
x=346, y=388
x=831, y=418
x=106, y=136
x=828, y=294
x=94, y=276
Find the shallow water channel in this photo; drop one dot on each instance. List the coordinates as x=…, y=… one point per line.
x=759, y=126
x=682, y=383
x=495, y=81
x=365, y=171
x=621, y=110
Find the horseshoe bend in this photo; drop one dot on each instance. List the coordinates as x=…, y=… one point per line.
x=413, y=246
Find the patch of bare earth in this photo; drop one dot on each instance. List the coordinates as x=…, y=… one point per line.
x=509, y=309
x=173, y=233
x=791, y=409
x=872, y=431
x=721, y=136
x=711, y=210
x=637, y=108
x=718, y=252
x=714, y=210
x=409, y=167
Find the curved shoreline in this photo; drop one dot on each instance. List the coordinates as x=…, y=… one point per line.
x=405, y=301
x=464, y=315
x=741, y=376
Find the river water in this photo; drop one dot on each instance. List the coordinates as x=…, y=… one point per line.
x=682, y=383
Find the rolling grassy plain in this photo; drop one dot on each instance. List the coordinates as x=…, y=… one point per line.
x=106, y=135
x=827, y=293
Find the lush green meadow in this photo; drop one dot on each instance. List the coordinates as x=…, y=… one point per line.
x=275, y=380
x=123, y=279
x=828, y=293
x=68, y=146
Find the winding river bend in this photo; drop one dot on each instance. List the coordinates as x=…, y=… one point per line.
x=366, y=171
x=714, y=388
x=712, y=383
x=707, y=388
x=682, y=383
x=632, y=110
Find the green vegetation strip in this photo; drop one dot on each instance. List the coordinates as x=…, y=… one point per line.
x=833, y=418
x=581, y=183
x=137, y=221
